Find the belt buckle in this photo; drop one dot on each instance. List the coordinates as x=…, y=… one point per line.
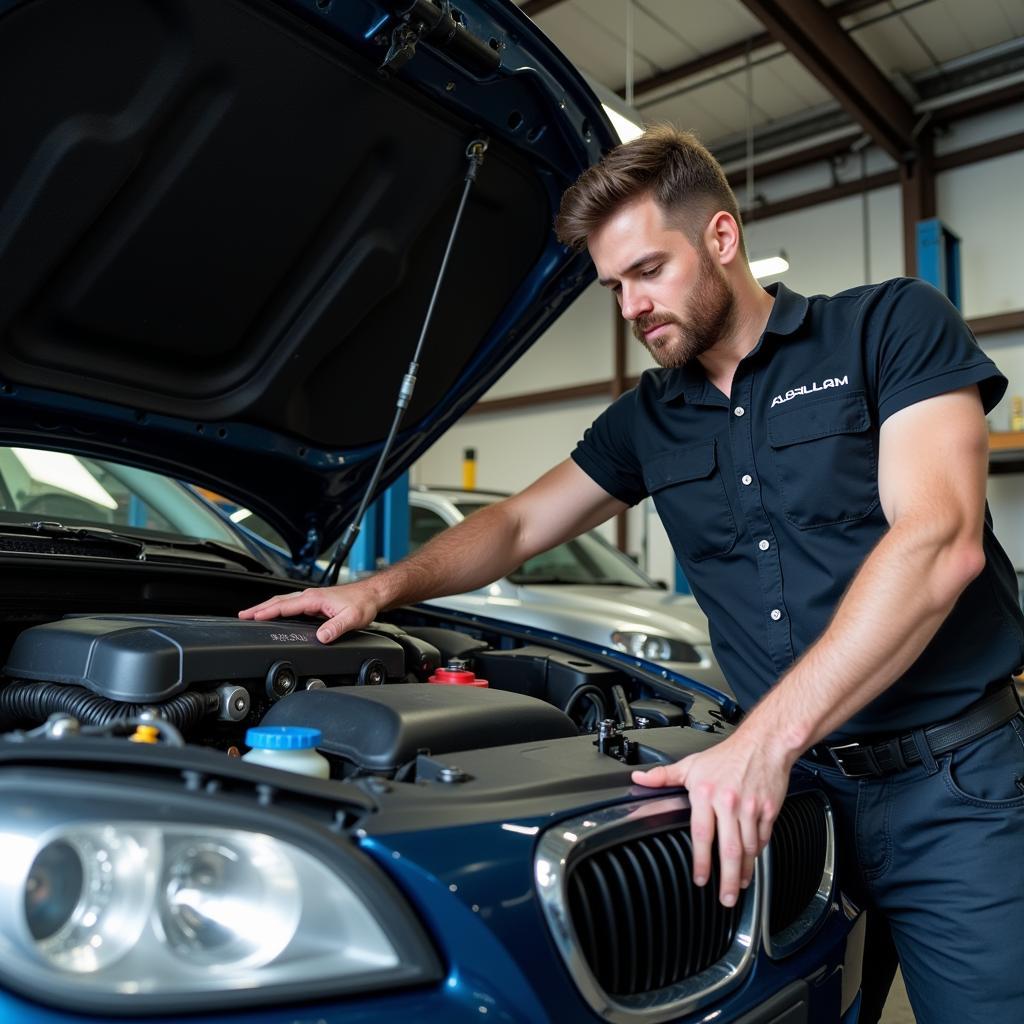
x=837, y=756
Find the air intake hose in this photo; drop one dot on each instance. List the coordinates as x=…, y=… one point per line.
x=26, y=704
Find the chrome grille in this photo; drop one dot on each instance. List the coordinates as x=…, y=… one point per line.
x=642, y=923
x=642, y=942
x=801, y=863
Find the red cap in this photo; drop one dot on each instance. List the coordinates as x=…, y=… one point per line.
x=456, y=677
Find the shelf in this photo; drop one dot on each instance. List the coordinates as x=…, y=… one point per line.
x=1001, y=440
x=1006, y=451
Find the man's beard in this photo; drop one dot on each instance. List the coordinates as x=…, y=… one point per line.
x=711, y=310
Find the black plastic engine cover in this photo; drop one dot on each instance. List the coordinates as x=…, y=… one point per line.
x=150, y=658
x=381, y=728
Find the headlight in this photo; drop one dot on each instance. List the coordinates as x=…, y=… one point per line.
x=84, y=897
x=125, y=915
x=652, y=647
x=231, y=900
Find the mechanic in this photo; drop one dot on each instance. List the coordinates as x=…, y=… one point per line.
x=820, y=466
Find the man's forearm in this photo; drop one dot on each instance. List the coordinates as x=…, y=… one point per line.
x=471, y=554
x=896, y=603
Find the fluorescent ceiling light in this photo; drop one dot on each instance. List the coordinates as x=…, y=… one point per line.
x=627, y=129
x=769, y=266
x=64, y=471
x=625, y=120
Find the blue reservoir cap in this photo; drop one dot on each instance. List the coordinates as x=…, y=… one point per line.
x=283, y=737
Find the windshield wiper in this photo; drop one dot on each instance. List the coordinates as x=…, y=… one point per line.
x=213, y=547
x=42, y=535
x=45, y=536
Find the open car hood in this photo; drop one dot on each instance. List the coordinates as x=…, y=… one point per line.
x=221, y=225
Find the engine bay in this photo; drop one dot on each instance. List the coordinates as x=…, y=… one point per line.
x=383, y=697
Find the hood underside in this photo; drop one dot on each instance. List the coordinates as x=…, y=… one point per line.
x=220, y=228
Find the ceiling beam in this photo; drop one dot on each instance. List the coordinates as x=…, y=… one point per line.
x=800, y=158
x=811, y=33
x=765, y=166
x=731, y=52
x=980, y=104
x=1003, y=146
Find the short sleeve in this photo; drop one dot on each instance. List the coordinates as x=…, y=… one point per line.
x=607, y=453
x=925, y=349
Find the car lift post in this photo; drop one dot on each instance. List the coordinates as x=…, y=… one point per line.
x=938, y=258
x=384, y=537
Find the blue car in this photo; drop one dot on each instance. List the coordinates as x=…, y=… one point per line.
x=232, y=234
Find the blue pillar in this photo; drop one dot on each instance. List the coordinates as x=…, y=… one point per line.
x=385, y=532
x=394, y=534
x=682, y=583
x=938, y=258
x=363, y=556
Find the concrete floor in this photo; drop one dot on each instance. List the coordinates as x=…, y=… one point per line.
x=897, y=1007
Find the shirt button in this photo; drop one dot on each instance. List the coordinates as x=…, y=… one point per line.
x=764, y=546
x=776, y=615
x=739, y=410
x=747, y=479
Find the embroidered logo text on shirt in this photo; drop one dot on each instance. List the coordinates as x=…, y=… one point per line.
x=808, y=389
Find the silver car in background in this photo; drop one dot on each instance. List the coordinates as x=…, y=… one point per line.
x=584, y=588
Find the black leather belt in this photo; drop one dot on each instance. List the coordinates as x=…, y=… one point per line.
x=884, y=757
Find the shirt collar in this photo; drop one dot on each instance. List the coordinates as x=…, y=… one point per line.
x=788, y=313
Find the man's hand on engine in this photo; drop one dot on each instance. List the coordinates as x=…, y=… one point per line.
x=347, y=607
x=736, y=789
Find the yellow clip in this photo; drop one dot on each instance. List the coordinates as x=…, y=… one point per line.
x=145, y=734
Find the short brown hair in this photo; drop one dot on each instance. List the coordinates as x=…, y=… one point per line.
x=672, y=166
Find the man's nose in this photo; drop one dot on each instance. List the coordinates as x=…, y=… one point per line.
x=634, y=302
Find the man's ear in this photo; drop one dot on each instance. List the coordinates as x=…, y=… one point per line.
x=722, y=237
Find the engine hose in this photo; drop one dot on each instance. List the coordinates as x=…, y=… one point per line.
x=588, y=690
x=29, y=704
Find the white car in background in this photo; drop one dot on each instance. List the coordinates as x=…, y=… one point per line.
x=584, y=588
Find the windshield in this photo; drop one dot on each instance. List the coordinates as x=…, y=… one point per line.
x=78, y=491
x=587, y=559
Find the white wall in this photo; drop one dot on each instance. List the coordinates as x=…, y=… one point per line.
x=984, y=205
x=512, y=448
x=576, y=350
x=832, y=246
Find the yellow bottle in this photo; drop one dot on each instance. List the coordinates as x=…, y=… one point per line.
x=1017, y=413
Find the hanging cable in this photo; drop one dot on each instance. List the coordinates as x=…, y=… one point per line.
x=475, y=156
x=629, y=54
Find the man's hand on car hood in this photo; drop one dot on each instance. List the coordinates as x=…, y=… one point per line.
x=347, y=607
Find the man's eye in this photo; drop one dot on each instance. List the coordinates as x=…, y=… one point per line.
x=651, y=272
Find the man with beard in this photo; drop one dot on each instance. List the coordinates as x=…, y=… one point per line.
x=820, y=467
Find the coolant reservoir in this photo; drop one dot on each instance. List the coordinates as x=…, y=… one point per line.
x=291, y=748
x=456, y=674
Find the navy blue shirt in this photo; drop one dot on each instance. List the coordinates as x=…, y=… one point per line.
x=770, y=496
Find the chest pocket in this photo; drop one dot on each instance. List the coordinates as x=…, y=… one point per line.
x=689, y=494
x=825, y=460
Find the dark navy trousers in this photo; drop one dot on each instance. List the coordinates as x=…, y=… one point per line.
x=936, y=854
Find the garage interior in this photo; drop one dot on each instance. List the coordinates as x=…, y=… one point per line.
x=865, y=140
x=843, y=126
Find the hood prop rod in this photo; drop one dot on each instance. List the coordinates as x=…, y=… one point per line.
x=475, y=157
